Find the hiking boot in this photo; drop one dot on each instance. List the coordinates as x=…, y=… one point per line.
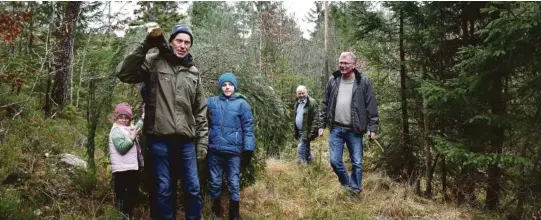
x=216, y=209
x=233, y=210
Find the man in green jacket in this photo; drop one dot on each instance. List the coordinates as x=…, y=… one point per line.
x=175, y=117
x=306, y=124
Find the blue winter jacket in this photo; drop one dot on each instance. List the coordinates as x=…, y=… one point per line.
x=231, y=127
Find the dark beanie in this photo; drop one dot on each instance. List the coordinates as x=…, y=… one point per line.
x=181, y=28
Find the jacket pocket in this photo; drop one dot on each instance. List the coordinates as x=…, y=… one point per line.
x=187, y=84
x=165, y=76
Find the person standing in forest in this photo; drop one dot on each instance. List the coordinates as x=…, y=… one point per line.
x=175, y=117
x=306, y=124
x=349, y=109
x=231, y=145
x=126, y=159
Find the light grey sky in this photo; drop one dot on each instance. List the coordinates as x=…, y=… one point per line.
x=299, y=9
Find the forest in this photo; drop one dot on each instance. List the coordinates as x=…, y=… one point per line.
x=456, y=86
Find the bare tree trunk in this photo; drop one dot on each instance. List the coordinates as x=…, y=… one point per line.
x=63, y=65
x=47, y=107
x=47, y=61
x=108, y=18
x=404, y=95
x=444, y=179
x=30, y=40
x=427, y=140
x=89, y=100
x=326, y=40
x=261, y=29
x=80, y=80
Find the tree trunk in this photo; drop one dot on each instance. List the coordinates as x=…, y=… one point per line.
x=427, y=140
x=47, y=107
x=497, y=106
x=496, y=143
x=63, y=61
x=464, y=21
x=403, y=92
x=444, y=179
x=93, y=115
x=80, y=80
x=326, y=41
x=30, y=40
x=89, y=100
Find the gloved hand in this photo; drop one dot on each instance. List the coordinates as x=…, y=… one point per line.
x=153, y=29
x=201, y=152
x=154, y=35
x=246, y=158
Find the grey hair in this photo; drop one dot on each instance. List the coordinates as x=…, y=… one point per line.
x=301, y=87
x=348, y=54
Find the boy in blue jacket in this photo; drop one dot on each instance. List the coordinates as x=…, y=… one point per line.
x=231, y=142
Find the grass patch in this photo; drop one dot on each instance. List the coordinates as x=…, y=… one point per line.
x=288, y=190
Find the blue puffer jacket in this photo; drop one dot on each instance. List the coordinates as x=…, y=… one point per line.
x=231, y=125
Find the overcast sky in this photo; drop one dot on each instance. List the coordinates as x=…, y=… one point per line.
x=299, y=9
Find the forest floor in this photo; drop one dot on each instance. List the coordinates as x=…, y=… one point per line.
x=35, y=185
x=288, y=190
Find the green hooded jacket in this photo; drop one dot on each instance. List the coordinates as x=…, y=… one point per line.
x=175, y=100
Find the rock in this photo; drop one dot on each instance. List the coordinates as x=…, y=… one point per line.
x=73, y=160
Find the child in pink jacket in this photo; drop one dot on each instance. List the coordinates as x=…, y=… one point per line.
x=126, y=158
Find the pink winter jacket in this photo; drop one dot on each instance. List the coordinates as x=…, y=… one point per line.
x=128, y=161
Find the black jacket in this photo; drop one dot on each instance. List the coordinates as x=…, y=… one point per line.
x=364, y=110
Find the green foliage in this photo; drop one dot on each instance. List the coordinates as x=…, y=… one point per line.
x=85, y=181
x=456, y=152
x=165, y=13
x=471, y=71
x=456, y=54
x=113, y=214
x=13, y=207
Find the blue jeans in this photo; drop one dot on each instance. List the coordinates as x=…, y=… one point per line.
x=173, y=159
x=304, y=155
x=218, y=162
x=338, y=136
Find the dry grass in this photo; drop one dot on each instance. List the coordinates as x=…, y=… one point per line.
x=292, y=191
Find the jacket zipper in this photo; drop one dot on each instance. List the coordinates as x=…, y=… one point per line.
x=175, y=79
x=223, y=119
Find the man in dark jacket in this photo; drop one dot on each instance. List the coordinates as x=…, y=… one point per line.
x=306, y=124
x=175, y=117
x=349, y=109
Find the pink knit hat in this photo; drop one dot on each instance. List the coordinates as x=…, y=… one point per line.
x=123, y=109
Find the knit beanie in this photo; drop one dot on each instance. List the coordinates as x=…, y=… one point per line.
x=228, y=77
x=181, y=28
x=123, y=109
